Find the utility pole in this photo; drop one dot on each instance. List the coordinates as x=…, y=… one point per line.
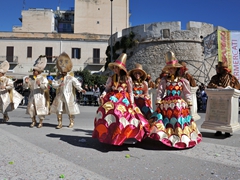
x=24, y=3
x=111, y=33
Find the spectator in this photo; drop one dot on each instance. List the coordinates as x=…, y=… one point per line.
x=102, y=88
x=86, y=98
x=203, y=98
x=50, y=77
x=199, y=99
x=96, y=94
x=26, y=89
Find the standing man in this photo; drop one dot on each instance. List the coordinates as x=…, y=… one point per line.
x=66, y=85
x=221, y=80
x=38, y=103
x=26, y=89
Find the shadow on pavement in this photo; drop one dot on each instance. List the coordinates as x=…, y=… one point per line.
x=89, y=142
x=212, y=136
x=88, y=132
x=149, y=144
x=27, y=124
x=22, y=107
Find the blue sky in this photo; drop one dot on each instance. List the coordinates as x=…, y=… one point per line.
x=225, y=13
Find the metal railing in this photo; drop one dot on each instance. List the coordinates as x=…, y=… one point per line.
x=10, y=59
x=95, y=61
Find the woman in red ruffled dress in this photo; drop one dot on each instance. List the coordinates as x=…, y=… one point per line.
x=140, y=90
x=172, y=123
x=118, y=119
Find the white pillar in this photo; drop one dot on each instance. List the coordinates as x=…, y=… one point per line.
x=222, y=110
x=194, y=106
x=152, y=94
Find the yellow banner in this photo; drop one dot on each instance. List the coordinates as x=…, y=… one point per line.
x=224, y=48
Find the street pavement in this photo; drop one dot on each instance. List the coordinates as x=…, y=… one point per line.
x=71, y=154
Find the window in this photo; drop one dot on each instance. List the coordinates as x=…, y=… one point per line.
x=48, y=53
x=29, y=52
x=96, y=56
x=166, y=33
x=10, y=53
x=76, y=53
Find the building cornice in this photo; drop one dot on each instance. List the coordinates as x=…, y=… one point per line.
x=53, y=36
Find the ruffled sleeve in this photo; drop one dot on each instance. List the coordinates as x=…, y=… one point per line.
x=187, y=91
x=43, y=83
x=108, y=86
x=161, y=90
x=145, y=88
x=9, y=84
x=130, y=88
x=77, y=84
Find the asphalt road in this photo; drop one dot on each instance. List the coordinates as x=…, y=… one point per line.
x=71, y=153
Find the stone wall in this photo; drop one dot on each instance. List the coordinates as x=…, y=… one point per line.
x=154, y=40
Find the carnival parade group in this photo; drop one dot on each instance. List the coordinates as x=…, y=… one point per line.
x=125, y=114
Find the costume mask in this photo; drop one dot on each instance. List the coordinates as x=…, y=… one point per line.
x=64, y=63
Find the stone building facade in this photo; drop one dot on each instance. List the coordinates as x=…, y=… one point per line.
x=154, y=40
x=82, y=32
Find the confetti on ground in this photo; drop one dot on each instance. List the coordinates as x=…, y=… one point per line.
x=127, y=156
x=62, y=176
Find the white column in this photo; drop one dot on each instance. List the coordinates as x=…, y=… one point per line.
x=152, y=93
x=194, y=106
x=222, y=110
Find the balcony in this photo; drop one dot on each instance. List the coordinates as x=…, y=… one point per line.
x=10, y=59
x=51, y=63
x=94, y=64
x=51, y=60
x=95, y=61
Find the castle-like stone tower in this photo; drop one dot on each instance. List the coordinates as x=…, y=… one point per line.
x=152, y=41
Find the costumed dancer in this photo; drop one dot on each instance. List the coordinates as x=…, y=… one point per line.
x=221, y=80
x=118, y=119
x=65, y=99
x=39, y=100
x=140, y=90
x=172, y=123
x=9, y=97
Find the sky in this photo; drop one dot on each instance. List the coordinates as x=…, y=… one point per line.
x=225, y=13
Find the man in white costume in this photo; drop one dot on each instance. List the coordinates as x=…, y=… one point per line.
x=9, y=98
x=65, y=85
x=38, y=102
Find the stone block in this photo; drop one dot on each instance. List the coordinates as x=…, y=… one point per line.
x=222, y=110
